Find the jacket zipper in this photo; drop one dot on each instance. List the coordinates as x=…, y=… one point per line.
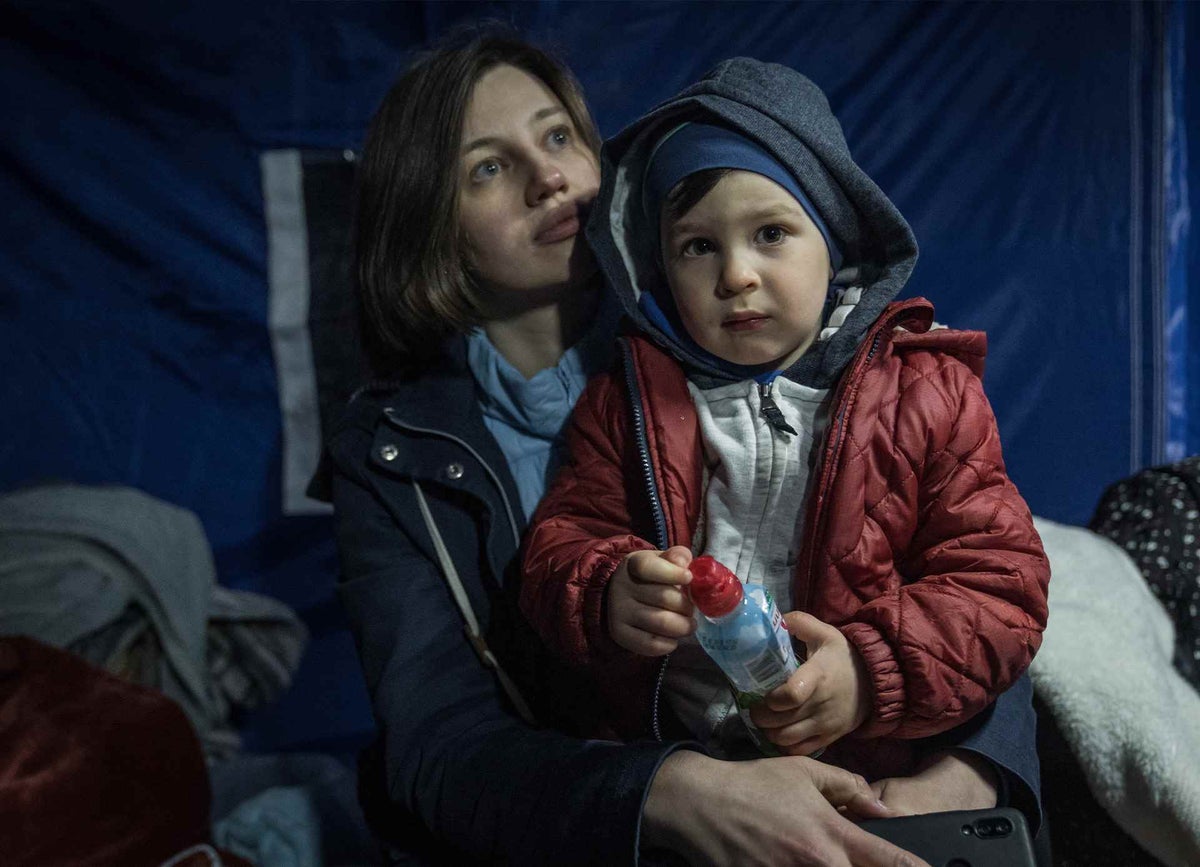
x=512, y=521
x=656, y=508
x=827, y=461
x=643, y=446
x=770, y=410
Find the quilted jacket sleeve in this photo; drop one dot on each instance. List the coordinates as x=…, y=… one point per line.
x=582, y=530
x=968, y=606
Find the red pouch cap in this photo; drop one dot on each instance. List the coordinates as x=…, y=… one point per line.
x=713, y=588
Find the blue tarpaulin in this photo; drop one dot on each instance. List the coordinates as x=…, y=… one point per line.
x=1042, y=153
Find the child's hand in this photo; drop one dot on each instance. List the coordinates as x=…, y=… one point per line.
x=826, y=697
x=648, y=609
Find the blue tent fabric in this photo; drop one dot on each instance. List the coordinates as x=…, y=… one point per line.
x=1184, y=267
x=1177, y=224
x=1041, y=152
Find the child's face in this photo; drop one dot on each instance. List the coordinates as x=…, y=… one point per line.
x=749, y=272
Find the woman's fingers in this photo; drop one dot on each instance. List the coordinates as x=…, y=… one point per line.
x=865, y=848
x=842, y=788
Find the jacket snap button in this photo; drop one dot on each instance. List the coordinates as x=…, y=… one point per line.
x=454, y=471
x=388, y=452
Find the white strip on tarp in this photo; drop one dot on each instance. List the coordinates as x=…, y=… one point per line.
x=287, y=321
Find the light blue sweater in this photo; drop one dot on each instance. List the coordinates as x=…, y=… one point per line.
x=528, y=417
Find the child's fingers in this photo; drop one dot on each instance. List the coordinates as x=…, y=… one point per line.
x=797, y=690
x=767, y=718
x=808, y=746
x=810, y=630
x=650, y=567
x=665, y=596
x=794, y=733
x=642, y=642
x=678, y=555
x=657, y=621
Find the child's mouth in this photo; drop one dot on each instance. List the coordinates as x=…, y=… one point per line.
x=745, y=322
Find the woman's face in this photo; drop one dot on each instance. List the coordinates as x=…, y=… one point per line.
x=526, y=180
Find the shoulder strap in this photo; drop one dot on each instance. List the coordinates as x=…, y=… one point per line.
x=471, y=626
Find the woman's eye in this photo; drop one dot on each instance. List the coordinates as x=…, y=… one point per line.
x=698, y=247
x=772, y=234
x=485, y=170
x=559, y=137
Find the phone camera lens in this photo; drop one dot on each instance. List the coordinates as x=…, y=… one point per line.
x=998, y=827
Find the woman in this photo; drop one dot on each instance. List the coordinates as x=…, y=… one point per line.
x=482, y=301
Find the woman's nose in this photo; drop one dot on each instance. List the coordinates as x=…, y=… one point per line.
x=545, y=180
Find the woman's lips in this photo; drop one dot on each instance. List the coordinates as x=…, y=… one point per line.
x=559, y=225
x=746, y=322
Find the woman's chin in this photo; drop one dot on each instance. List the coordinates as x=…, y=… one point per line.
x=505, y=301
x=581, y=264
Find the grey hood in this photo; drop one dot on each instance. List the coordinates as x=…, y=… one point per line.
x=789, y=116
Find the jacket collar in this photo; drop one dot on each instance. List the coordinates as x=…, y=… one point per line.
x=443, y=397
x=439, y=395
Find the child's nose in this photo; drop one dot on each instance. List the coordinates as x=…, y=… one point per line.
x=738, y=275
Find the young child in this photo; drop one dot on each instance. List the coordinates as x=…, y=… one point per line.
x=779, y=412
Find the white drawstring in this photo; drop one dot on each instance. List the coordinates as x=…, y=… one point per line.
x=214, y=859
x=847, y=299
x=471, y=627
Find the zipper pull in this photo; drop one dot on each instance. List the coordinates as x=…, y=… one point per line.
x=771, y=411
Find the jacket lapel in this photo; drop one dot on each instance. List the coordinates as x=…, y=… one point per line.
x=443, y=399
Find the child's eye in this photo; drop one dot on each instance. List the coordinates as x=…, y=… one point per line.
x=559, y=137
x=698, y=247
x=772, y=235
x=485, y=170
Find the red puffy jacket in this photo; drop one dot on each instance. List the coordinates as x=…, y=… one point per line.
x=916, y=544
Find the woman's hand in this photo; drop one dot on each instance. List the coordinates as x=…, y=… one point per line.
x=648, y=609
x=947, y=780
x=780, y=812
x=825, y=698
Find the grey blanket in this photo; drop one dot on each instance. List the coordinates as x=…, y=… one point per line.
x=127, y=581
x=1105, y=671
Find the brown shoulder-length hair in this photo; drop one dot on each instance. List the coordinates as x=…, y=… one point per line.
x=414, y=287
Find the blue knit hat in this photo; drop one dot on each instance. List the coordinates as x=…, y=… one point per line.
x=697, y=147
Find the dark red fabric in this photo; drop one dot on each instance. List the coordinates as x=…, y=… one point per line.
x=916, y=543
x=94, y=771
